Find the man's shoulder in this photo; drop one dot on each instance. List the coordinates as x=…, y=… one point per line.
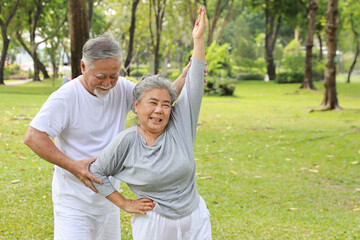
x=68, y=90
x=124, y=84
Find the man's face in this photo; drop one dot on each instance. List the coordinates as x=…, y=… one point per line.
x=101, y=77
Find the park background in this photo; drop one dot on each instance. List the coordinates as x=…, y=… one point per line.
x=275, y=159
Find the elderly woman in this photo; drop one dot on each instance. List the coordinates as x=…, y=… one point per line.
x=155, y=158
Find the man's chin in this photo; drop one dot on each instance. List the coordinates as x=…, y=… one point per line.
x=101, y=93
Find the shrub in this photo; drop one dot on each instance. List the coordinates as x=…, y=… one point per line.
x=289, y=77
x=294, y=57
x=173, y=74
x=318, y=68
x=221, y=89
x=138, y=71
x=250, y=76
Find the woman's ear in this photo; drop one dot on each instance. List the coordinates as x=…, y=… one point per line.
x=135, y=106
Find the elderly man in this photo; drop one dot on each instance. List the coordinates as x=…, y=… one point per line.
x=83, y=116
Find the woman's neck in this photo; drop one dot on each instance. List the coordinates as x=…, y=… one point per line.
x=150, y=138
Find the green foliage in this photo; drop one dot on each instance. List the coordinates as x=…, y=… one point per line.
x=217, y=57
x=250, y=66
x=12, y=71
x=219, y=89
x=289, y=77
x=294, y=57
x=173, y=74
x=250, y=76
x=318, y=69
x=139, y=71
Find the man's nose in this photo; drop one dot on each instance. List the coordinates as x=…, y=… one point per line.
x=106, y=82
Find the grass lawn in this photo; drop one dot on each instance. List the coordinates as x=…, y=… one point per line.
x=266, y=167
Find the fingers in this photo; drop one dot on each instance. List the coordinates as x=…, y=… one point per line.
x=89, y=184
x=91, y=160
x=139, y=206
x=94, y=179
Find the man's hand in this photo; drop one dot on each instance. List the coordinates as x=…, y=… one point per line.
x=81, y=170
x=187, y=67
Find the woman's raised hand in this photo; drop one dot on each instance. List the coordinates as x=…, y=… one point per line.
x=200, y=25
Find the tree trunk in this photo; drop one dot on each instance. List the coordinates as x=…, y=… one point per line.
x=321, y=46
x=307, y=82
x=131, y=36
x=40, y=65
x=356, y=35
x=6, y=41
x=270, y=40
x=79, y=33
x=159, y=7
x=36, y=64
x=354, y=62
x=230, y=13
x=156, y=56
x=330, y=97
x=192, y=12
x=90, y=14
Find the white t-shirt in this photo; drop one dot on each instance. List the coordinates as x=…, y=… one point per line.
x=82, y=125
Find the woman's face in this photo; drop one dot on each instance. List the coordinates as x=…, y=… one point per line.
x=154, y=110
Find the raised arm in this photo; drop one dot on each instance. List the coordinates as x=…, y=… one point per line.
x=199, y=49
x=198, y=36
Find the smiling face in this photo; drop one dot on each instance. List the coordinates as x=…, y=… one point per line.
x=103, y=76
x=154, y=110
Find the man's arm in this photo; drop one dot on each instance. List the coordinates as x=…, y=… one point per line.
x=180, y=81
x=42, y=145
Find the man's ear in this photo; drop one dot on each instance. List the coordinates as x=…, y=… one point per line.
x=82, y=66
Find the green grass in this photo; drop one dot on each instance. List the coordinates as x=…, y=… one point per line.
x=266, y=167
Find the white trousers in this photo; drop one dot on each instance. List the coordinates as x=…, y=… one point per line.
x=153, y=226
x=71, y=224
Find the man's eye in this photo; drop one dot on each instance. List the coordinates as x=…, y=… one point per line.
x=114, y=76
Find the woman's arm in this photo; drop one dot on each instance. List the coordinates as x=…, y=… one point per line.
x=138, y=206
x=198, y=36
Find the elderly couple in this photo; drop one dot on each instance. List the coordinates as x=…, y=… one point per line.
x=86, y=117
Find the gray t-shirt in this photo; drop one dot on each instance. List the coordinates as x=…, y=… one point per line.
x=165, y=171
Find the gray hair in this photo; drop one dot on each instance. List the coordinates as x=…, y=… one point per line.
x=149, y=82
x=100, y=48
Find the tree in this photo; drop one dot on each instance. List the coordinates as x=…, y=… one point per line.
x=129, y=55
x=158, y=7
x=215, y=13
x=276, y=12
x=330, y=97
x=271, y=33
x=55, y=32
x=350, y=23
x=4, y=23
x=307, y=82
x=79, y=33
x=32, y=19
